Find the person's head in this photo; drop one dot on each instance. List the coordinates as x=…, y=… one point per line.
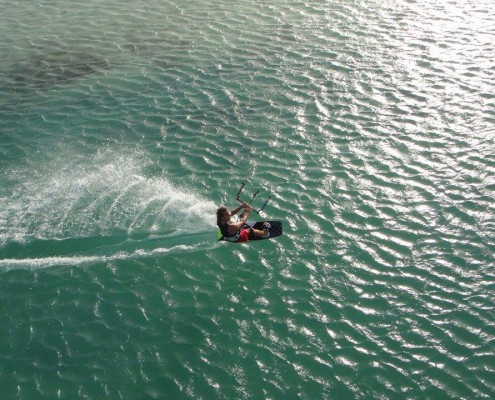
x=223, y=215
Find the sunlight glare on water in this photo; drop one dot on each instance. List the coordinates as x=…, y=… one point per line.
x=125, y=125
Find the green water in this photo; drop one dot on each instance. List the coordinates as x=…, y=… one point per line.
x=123, y=126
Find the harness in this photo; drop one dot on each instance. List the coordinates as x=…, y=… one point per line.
x=232, y=238
x=226, y=236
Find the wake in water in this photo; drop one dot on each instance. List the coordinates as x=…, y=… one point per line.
x=179, y=242
x=107, y=210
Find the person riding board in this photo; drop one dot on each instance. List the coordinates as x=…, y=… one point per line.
x=238, y=231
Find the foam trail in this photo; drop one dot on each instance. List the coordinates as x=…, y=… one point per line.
x=109, y=199
x=81, y=260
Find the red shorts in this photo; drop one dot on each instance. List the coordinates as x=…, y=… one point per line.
x=243, y=235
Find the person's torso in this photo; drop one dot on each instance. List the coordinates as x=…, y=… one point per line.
x=224, y=228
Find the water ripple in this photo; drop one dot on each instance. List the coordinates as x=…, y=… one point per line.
x=370, y=125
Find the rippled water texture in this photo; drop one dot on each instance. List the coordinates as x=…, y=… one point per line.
x=124, y=125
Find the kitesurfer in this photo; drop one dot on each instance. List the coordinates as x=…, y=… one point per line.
x=238, y=231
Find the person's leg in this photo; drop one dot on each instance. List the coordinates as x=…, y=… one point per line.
x=261, y=233
x=244, y=236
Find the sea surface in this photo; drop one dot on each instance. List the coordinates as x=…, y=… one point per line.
x=124, y=125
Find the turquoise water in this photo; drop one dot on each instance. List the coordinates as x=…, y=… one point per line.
x=124, y=125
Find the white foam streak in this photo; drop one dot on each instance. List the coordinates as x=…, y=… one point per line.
x=46, y=262
x=109, y=196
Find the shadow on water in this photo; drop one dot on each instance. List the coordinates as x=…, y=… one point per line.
x=44, y=69
x=26, y=78
x=60, y=66
x=47, y=68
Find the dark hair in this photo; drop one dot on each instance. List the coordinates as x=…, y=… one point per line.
x=220, y=212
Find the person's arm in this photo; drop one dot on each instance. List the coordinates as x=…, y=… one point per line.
x=236, y=210
x=234, y=227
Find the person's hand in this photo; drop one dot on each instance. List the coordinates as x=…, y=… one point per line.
x=248, y=208
x=245, y=205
